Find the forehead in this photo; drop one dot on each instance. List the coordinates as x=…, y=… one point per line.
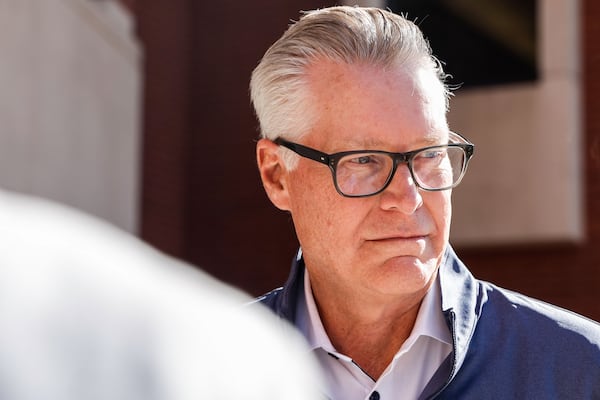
x=376, y=106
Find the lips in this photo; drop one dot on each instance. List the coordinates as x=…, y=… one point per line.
x=386, y=247
x=408, y=237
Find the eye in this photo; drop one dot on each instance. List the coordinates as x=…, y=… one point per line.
x=364, y=162
x=363, y=159
x=433, y=153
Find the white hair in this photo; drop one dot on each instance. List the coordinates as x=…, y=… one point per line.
x=346, y=34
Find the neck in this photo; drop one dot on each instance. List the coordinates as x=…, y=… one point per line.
x=370, y=333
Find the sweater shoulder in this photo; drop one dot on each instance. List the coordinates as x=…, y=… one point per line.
x=517, y=309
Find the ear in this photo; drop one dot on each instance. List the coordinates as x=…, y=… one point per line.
x=273, y=173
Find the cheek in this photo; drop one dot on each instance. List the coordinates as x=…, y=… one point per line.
x=439, y=205
x=445, y=213
x=310, y=200
x=321, y=216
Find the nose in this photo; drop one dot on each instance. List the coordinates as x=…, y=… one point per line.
x=402, y=194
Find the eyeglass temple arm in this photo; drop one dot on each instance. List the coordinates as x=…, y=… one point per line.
x=304, y=151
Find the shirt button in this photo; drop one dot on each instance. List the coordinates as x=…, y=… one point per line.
x=374, y=396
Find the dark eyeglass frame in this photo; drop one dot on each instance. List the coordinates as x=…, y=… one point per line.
x=331, y=160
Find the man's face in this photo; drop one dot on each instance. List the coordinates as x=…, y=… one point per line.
x=390, y=244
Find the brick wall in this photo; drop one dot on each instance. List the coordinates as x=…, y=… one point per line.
x=202, y=198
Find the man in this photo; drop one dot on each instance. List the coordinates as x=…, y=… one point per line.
x=356, y=147
x=90, y=313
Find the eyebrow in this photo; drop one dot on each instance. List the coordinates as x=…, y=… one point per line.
x=367, y=143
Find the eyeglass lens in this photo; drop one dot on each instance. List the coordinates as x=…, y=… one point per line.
x=367, y=173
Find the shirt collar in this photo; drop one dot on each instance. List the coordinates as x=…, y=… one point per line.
x=430, y=319
x=308, y=319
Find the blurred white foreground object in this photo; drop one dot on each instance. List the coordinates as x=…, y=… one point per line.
x=88, y=312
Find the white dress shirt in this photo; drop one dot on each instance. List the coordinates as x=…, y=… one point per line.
x=409, y=372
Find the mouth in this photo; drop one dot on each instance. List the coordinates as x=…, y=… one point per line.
x=397, y=238
x=413, y=245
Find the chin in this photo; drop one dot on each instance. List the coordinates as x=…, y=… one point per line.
x=408, y=271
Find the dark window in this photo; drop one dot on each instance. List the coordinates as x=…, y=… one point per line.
x=480, y=42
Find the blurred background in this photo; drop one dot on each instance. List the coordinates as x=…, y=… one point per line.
x=137, y=111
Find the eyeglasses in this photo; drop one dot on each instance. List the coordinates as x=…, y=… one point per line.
x=362, y=173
